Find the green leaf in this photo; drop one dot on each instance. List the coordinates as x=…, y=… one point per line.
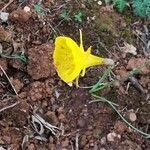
x=21, y=57
x=37, y=8
x=119, y=4
x=147, y=8
x=78, y=17
x=65, y=15
x=138, y=8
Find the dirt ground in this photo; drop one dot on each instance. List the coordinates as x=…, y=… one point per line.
x=38, y=111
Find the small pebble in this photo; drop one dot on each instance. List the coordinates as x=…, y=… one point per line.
x=103, y=140
x=4, y=16
x=91, y=143
x=132, y=116
x=26, y=9
x=57, y=94
x=93, y=18
x=111, y=137
x=99, y=3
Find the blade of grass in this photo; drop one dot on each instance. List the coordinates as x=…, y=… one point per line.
x=20, y=57
x=105, y=85
x=106, y=73
x=102, y=99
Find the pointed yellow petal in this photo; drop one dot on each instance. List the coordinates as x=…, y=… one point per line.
x=83, y=72
x=81, y=41
x=89, y=50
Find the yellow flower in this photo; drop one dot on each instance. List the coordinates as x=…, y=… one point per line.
x=70, y=59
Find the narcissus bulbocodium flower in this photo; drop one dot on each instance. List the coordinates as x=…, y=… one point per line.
x=71, y=60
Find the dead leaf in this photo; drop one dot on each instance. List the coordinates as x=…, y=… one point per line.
x=128, y=48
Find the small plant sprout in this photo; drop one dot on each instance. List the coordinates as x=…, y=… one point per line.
x=19, y=56
x=38, y=9
x=71, y=60
x=78, y=16
x=120, y=4
x=101, y=84
x=65, y=15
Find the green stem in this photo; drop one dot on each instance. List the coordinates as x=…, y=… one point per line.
x=106, y=73
x=129, y=124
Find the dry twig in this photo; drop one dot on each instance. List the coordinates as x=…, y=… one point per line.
x=9, y=80
x=137, y=85
x=7, y=107
x=77, y=141
x=10, y=1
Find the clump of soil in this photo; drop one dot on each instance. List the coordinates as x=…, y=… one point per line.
x=40, y=62
x=40, y=90
x=19, y=16
x=4, y=35
x=137, y=62
x=16, y=116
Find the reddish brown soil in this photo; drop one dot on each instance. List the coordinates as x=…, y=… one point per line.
x=87, y=126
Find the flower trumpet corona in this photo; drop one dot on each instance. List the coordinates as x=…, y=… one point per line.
x=71, y=60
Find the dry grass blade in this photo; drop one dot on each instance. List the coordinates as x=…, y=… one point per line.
x=36, y=118
x=40, y=129
x=8, y=107
x=77, y=141
x=9, y=80
x=10, y=1
x=24, y=141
